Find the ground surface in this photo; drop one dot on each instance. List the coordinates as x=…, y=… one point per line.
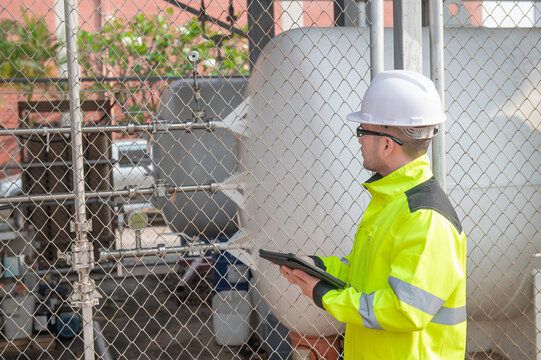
x=156, y=324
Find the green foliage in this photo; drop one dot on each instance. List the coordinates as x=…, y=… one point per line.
x=152, y=46
x=27, y=49
x=143, y=46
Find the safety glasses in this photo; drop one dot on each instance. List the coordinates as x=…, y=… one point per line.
x=361, y=132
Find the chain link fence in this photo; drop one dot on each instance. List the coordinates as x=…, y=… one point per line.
x=149, y=149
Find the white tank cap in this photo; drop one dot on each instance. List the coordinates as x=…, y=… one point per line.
x=401, y=98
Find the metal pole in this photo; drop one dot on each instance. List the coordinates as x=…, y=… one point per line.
x=260, y=26
x=162, y=250
x=408, y=49
x=102, y=79
x=376, y=38
x=435, y=22
x=339, y=15
x=158, y=191
x=158, y=125
x=55, y=163
x=83, y=260
x=103, y=351
x=103, y=267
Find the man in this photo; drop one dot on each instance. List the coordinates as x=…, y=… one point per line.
x=406, y=273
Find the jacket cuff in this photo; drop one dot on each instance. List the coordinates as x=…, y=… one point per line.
x=319, y=291
x=318, y=262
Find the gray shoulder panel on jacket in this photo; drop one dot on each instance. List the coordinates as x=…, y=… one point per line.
x=429, y=195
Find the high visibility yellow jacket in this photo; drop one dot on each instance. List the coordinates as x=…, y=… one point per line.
x=406, y=297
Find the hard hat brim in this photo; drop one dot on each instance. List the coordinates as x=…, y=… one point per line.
x=358, y=118
x=355, y=117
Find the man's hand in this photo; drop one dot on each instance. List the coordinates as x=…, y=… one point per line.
x=300, y=278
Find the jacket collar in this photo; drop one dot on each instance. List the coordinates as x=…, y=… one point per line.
x=400, y=180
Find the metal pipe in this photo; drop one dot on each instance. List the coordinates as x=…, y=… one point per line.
x=190, y=272
x=84, y=261
x=159, y=125
x=102, y=79
x=408, y=49
x=339, y=8
x=377, y=63
x=101, y=347
x=102, y=267
x=56, y=163
x=112, y=204
x=162, y=250
x=138, y=239
x=107, y=193
x=76, y=116
x=435, y=22
x=88, y=332
x=191, y=188
x=261, y=25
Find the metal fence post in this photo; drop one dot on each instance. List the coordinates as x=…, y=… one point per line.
x=437, y=75
x=376, y=38
x=407, y=35
x=82, y=253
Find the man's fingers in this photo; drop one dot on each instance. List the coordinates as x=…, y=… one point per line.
x=285, y=270
x=301, y=274
x=292, y=275
x=300, y=278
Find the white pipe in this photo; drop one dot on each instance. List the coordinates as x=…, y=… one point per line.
x=102, y=350
x=377, y=63
x=408, y=37
x=88, y=332
x=60, y=32
x=74, y=83
x=292, y=15
x=158, y=125
x=437, y=74
x=105, y=194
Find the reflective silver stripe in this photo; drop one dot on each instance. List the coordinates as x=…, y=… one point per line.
x=450, y=316
x=366, y=309
x=344, y=261
x=416, y=297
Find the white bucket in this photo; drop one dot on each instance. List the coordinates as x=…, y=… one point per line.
x=17, y=313
x=231, y=317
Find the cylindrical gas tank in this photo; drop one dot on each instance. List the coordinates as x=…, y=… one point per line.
x=303, y=161
x=304, y=173
x=197, y=157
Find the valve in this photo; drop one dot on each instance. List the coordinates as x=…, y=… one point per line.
x=193, y=56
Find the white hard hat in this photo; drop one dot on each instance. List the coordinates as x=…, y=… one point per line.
x=402, y=98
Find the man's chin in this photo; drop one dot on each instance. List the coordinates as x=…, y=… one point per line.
x=368, y=167
x=365, y=164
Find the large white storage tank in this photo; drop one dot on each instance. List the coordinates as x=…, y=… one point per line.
x=303, y=186
x=304, y=173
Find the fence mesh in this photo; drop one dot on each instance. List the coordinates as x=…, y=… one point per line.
x=216, y=128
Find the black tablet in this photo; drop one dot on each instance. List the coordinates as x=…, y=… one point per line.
x=294, y=262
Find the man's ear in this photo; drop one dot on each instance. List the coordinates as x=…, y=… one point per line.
x=388, y=146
